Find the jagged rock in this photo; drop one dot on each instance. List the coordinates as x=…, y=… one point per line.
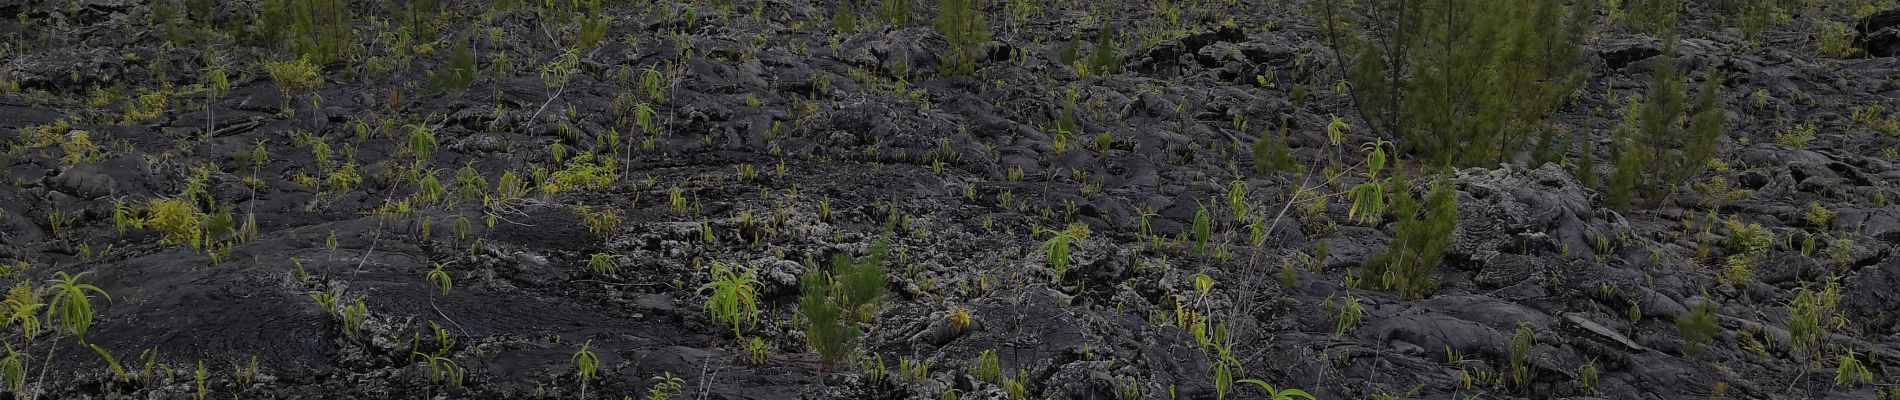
x=1880, y=33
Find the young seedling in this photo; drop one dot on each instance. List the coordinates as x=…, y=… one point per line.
x=733, y=298
x=71, y=303
x=586, y=365
x=441, y=278
x=1057, y=248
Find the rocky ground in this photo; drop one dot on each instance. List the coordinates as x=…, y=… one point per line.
x=776, y=142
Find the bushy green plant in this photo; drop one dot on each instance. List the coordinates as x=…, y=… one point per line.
x=862, y=282
x=1819, y=216
x=319, y=30
x=734, y=296
x=458, y=71
x=826, y=329
x=1056, y=249
x=1272, y=154
x=21, y=309
x=1796, y=137
x=1351, y=313
x=1850, y=371
x=1811, y=316
x=1698, y=328
x=1421, y=237
x=298, y=73
x=845, y=18
x=961, y=22
x=1748, y=245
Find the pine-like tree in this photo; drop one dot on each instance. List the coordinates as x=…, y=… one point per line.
x=961, y=22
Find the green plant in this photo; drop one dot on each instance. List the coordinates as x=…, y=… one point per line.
x=1819, y=216
x=826, y=330
x=354, y=315
x=1811, y=315
x=845, y=19
x=294, y=74
x=1278, y=393
x=1796, y=137
x=603, y=264
x=1698, y=328
x=421, y=141
x=733, y=298
x=756, y=349
x=443, y=369
x=1422, y=236
x=21, y=308
x=586, y=365
x=665, y=387
x=1271, y=153
x=441, y=278
x=13, y=370
x=1368, y=198
x=1521, y=343
x=1350, y=315
x=1057, y=250
x=987, y=368
x=961, y=23
x=458, y=70
x=1587, y=374
x=1223, y=370
x=118, y=370
x=71, y=304
x=1747, y=245
x=1202, y=229
x=1850, y=371
x=861, y=283
x=199, y=377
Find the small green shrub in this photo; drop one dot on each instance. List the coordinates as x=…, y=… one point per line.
x=1422, y=236
x=1350, y=315
x=987, y=368
x=1796, y=137
x=1272, y=154
x=961, y=23
x=1851, y=372
x=458, y=71
x=734, y=297
x=1698, y=328
x=294, y=74
x=1811, y=316
x=1819, y=216
x=1056, y=249
x=826, y=329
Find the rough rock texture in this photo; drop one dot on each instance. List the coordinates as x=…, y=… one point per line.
x=780, y=143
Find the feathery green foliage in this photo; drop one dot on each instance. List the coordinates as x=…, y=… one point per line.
x=317, y=29
x=826, y=328
x=1698, y=328
x=1421, y=237
x=961, y=22
x=1462, y=81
